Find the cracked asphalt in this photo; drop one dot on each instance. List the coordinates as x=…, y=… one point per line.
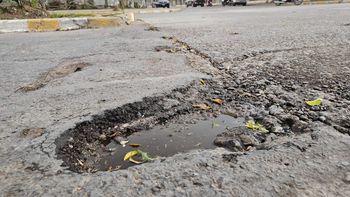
x=302, y=50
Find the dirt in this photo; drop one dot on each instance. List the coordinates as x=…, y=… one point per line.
x=55, y=73
x=272, y=94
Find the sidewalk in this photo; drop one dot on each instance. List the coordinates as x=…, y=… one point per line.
x=64, y=20
x=63, y=24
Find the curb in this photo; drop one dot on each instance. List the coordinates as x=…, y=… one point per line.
x=63, y=24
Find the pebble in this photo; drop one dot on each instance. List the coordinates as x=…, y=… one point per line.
x=347, y=177
x=274, y=110
x=103, y=137
x=322, y=118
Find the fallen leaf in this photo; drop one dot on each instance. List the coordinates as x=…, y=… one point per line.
x=135, y=161
x=316, y=102
x=217, y=101
x=145, y=156
x=201, y=106
x=251, y=124
x=134, y=145
x=130, y=154
x=202, y=82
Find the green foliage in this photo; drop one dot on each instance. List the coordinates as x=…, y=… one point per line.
x=70, y=15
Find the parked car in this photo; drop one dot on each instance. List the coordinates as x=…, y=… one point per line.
x=161, y=3
x=195, y=3
x=234, y=2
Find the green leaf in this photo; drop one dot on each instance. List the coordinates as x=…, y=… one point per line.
x=145, y=156
x=251, y=124
x=316, y=102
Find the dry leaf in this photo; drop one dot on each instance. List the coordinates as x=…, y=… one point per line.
x=130, y=154
x=217, y=101
x=201, y=106
x=134, y=145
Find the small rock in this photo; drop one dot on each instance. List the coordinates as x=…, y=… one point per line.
x=315, y=135
x=303, y=117
x=102, y=137
x=156, y=189
x=299, y=127
x=347, y=177
x=278, y=129
x=274, y=110
x=170, y=103
x=322, y=118
x=237, y=139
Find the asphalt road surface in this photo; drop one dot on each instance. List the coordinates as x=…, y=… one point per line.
x=297, y=47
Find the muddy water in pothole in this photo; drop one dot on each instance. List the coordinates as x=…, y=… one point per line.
x=167, y=141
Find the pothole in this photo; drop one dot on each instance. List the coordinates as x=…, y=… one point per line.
x=167, y=141
x=88, y=147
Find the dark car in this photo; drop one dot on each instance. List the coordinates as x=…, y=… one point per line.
x=161, y=3
x=194, y=3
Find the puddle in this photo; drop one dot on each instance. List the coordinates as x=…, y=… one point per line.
x=168, y=141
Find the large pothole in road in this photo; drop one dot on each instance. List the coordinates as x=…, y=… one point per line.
x=159, y=130
x=169, y=140
x=261, y=93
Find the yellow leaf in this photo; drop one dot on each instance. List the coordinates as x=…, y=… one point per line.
x=316, y=102
x=201, y=106
x=130, y=154
x=251, y=124
x=134, y=161
x=217, y=101
x=202, y=82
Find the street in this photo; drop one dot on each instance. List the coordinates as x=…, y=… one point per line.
x=66, y=96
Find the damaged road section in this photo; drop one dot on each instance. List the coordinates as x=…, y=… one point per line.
x=255, y=96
